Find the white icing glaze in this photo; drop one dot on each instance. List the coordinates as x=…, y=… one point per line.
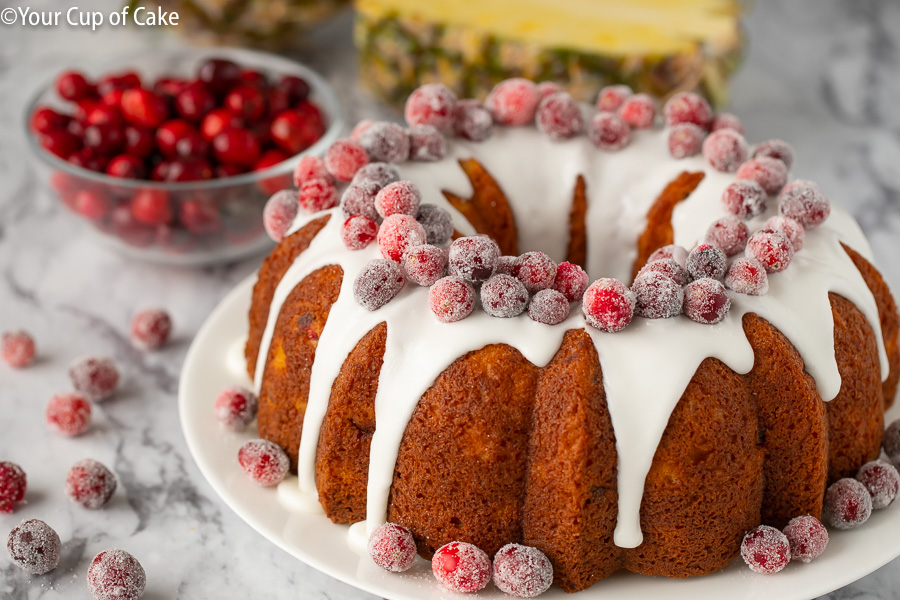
x=620, y=188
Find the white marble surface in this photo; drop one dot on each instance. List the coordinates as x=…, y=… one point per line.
x=824, y=75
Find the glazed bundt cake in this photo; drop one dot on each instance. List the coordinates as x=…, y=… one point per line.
x=653, y=449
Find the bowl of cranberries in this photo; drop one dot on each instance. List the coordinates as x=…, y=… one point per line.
x=171, y=157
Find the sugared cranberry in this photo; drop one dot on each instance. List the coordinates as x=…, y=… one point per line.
x=431, y=104
x=200, y=216
x=611, y=97
x=706, y=260
x=360, y=128
x=725, y=150
x=116, y=575
x=727, y=121
x=882, y=481
x=451, y=299
x=474, y=258
x=296, y=87
x=769, y=173
x=246, y=101
x=279, y=214
x=73, y=86
x=507, y=266
x=344, y=158
x=559, y=117
x=705, y=301
x=522, y=571
x=426, y=144
x=473, y=121
x=358, y=232
x=437, y=223
x=548, y=307
x=217, y=121
x=143, y=108
x=236, y=407
x=609, y=132
x=151, y=206
x=44, y=120
x=639, y=111
x=891, y=441
x=776, y=149
x=104, y=139
x=398, y=198
x=548, y=88
x=385, y=142
x=379, y=173
x=60, y=142
x=745, y=199
x=747, y=276
x=399, y=233
x=687, y=107
x=571, y=281
x=766, y=550
x=139, y=141
x=461, y=567
x=236, y=145
x=772, y=248
x=13, y=484
x=657, y=296
x=34, y=547
x=392, y=547
x=69, y=414
x=317, y=194
x=425, y=264
x=90, y=484
x=847, y=504
x=150, y=329
x=264, y=462
x=673, y=251
x=608, y=305
x=359, y=199
x=17, y=349
x=219, y=74
x=789, y=227
x=513, y=101
x=310, y=167
x=126, y=166
x=536, y=270
x=377, y=284
x=95, y=378
x=503, y=296
x=804, y=202
x=729, y=234
x=807, y=536
x=668, y=267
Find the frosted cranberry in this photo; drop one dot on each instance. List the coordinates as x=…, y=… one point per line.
x=150, y=329
x=317, y=194
x=126, y=166
x=103, y=115
x=116, y=575
x=392, y=547
x=747, y=276
x=236, y=145
x=246, y=101
x=461, y=567
x=611, y=97
x=571, y=281
x=431, y=104
x=60, y=142
x=804, y=202
x=17, y=349
x=385, y=142
x=358, y=232
x=359, y=199
x=766, y=550
x=687, y=107
x=503, y=296
x=727, y=121
x=548, y=88
x=90, y=484
x=13, y=484
x=264, y=462
x=673, y=251
x=513, y=101
x=847, y=504
x=143, y=108
x=725, y=150
x=639, y=111
x=891, y=441
x=772, y=248
x=425, y=264
x=473, y=121
x=474, y=258
x=668, y=267
x=398, y=233
x=360, y=128
x=379, y=173
x=200, y=216
x=426, y=144
x=705, y=301
x=882, y=481
x=507, y=266
x=279, y=213
x=451, y=299
x=608, y=305
x=73, y=86
x=559, y=117
x=685, y=139
x=609, y=132
x=236, y=407
x=217, y=121
x=536, y=270
x=44, y=120
x=437, y=223
x=219, y=74
x=69, y=414
x=657, y=296
x=95, y=378
x=151, y=206
x=398, y=198
x=377, y=284
x=729, y=234
x=706, y=260
x=789, y=227
x=745, y=199
x=770, y=173
x=310, y=167
x=776, y=149
x=522, y=571
x=34, y=547
x=548, y=307
x=344, y=158
x=807, y=536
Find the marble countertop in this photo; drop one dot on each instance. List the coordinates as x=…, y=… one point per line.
x=823, y=74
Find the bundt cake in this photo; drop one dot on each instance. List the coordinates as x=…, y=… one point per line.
x=653, y=449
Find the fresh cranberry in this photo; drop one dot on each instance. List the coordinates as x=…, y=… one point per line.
x=513, y=101
x=729, y=234
x=169, y=87
x=130, y=230
x=882, y=481
x=772, y=248
x=473, y=121
x=804, y=202
x=399, y=233
x=113, y=99
x=461, y=567
x=747, y=276
x=536, y=270
x=120, y=81
x=344, y=158
x=548, y=88
x=611, y=97
x=83, y=108
x=188, y=169
x=192, y=145
x=247, y=102
x=17, y=349
x=522, y=571
x=95, y=378
x=90, y=484
x=474, y=258
x=116, y=575
x=398, y=198
x=571, y=280
x=73, y=86
x=548, y=307
x=317, y=194
x=726, y=121
x=359, y=199
x=143, y=108
x=669, y=267
x=687, y=107
x=279, y=101
x=639, y=111
x=88, y=159
x=377, y=284
x=289, y=132
x=13, y=484
x=424, y=264
x=608, y=131
x=268, y=159
x=891, y=441
x=139, y=141
x=310, y=167
x=219, y=74
x=222, y=171
x=789, y=227
x=725, y=150
x=807, y=536
x=848, y=504
x=392, y=547
x=745, y=199
x=503, y=296
x=706, y=260
x=766, y=550
x=770, y=173
x=657, y=296
x=126, y=166
x=103, y=115
x=69, y=414
x=431, y=104
x=236, y=145
x=217, y=121
x=279, y=214
x=296, y=87
x=34, y=547
x=107, y=140
x=60, y=142
x=44, y=120
x=236, y=408
x=200, y=216
x=150, y=329
x=608, y=305
x=255, y=78
x=151, y=206
x=194, y=101
x=426, y=144
x=705, y=301
x=358, y=232
x=559, y=117
x=169, y=133
x=437, y=223
x=92, y=204
x=385, y=142
x=776, y=149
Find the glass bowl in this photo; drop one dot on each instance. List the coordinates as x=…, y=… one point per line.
x=214, y=220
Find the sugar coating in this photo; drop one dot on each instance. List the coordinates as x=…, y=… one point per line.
x=705, y=301
x=116, y=575
x=882, y=481
x=608, y=305
x=536, y=270
x=548, y=88
x=766, y=550
x=379, y=172
x=461, y=567
x=426, y=143
x=807, y=536
x=772, y=248
x=264, y=461
x=13, y=484
x=639, y=111
x=474, y=258
x=745, y=199
x=706, y=260
x=727, y=121
x=747, y=276
x=776, y=149
x=804, y=202
x=377, y=284
x=847, y=504
x=425, y=264
x=668, y=267
x=725, y=150
x=310, y=167
x=513, y=101
x=359, y=128
x=549, y=307
x=17, y=349
x=95, y=378
x=685, y=139
x=611, y=97
x=398, y=233
x=398, y=198
x=392, y=547
x=522, y=571
x=358, y=231
x=69, y=414
x=559, y=117
x=729, y=234
x=437, y=222
x=608, y=131
x=657, y=296
x=279, y=213
x=687, y=107
x=431, y=104
x=344, y=158
x=236, y=407
x=673, y=251
x=150, y=329
x=504, y=296
x=891, y=441
x=90, y=484
x=359, y=199
x=451, y=299
x=473, y=121
x=34, y=546
x=571, y=281
x=316, y=195
x=507, y=265
x=385, y=142
x=789, y=227
x=770, y=173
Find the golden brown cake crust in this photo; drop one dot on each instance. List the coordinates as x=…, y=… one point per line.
x=576, y=252
x=488, y=210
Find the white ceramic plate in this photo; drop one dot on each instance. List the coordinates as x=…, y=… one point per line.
x=215, y=360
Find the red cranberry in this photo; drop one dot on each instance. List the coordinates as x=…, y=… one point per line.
x=194, y=101
x=776, y=149
x=83, y=108
x=264, y=462
x=571, y=280
x=770, y=173
x=536, y=270
x=169, y=87
x=200, y=216
x=608, y=131
x=729, y=234
x=60, y=142
x=639, y=111
x=17, y=349
x=461, y=567
x=608, y=305
x=611, y=97
x=143, y=108
x=126, y=166
x=191, y=145
x=559, y=117
x=279, y=101
x=431, y=104
x=316, y=195
x=116, y=575
x=437, y=223
x=88, y=159
x=44, y=120
x=344, y=158
x=279, y=214
x=522, y=571
x=236, y=408
x=392, y=547
x=90, y=484
x=804, y=202
x=236, y=145
x=807, y=537
x=687, y=107
x=296, y=88
x=385, y=142
x=513, y=101
x=360, y=128
x=377, y=284
x=424, y=264
x=358, y=232
x=359, y=199
x=657, y=296
x=219, y=74
x=847, y=504
x=891, y=441
x=13, y=484
x=113, y=99
x=725, y=150
x=181, y=170
x=426, y=144
x=727, y=121
x=114, y=82
x=747, y=276
x=882, y=481
x=548, y=307
x=685, y=139
x=745, y=199
x=473, y=121
x=69, y=414
x=132, y=231
x=310, y=167
x=246, y=101
x=766, y=550
x=705, y=301
x=73, y=86
x=95, y=378
x=789, y=227
x=474, y=258
x=104, y=139
x=150, y=329
x=706, y=261
x=151, y=206
x=772, y=248
x=548, y=88
x=503, y=296
x=291, y=132
x=217, y=121
x=92, y=204
x=34, y=547
x=668, y=267
x=398, y=198
x=223, y=171
x=139, y=141
x=399, y=233
x=255, y=78
x=103, y=115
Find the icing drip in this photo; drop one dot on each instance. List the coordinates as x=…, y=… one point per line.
x=620, y=188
